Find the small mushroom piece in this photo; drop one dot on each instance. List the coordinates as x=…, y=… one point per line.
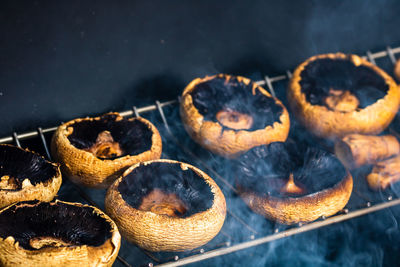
x=95, y=151
x=229, y=115
x=25, y=175
x=334, y=95
x=384, y=173
x=34, y=233
x=397, y=70
x=355, y=150
x=166, y=205
x=288, y=186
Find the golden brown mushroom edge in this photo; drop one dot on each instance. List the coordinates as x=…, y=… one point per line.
x=166, y=205
x=336, y=94
x=95, y=151
x=229, y=115
x=25, y=175
x=284, y=185
x=34, y=233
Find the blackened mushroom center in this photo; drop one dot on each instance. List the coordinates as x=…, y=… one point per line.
x=286, y=170
x=165, y=188
x=111, y=137
x=341, y=85
x=35, y=225
x=17, y=165
x=234, y=104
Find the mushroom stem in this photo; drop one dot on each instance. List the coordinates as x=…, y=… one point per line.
x=163, y=203
x=339, y=100
x=234, y=119
x=47, y=241
x=356, y=150
x=384, y=173
x=291, y=188
x=397, y=70
x=8, y=183
x=105, y=146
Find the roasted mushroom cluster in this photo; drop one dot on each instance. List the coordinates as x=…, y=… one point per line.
x=24, y=175
x=336, y=94
x=95, y=151
x=284, y=184
x=34, y=233
x=228, y=115
x=166, y=205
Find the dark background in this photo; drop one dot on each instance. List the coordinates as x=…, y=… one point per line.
x=63, y=59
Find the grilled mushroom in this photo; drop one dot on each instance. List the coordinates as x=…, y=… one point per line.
x=228, y=115
x=281, y=184
x=34, y=233
x=24, y=175
x=355, y=150
x=166, y=205
x=95, y=151
x=336, y=94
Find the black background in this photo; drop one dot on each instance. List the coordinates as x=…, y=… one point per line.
x=64, y=59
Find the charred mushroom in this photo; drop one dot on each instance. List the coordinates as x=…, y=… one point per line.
x=336, y=94
x=34, y=233
x=355, y=150
x=166, y=205
x=228, y=115
x=24, y=175
x=95, y=151
x=283, y=185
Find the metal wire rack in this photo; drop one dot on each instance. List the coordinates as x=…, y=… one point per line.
x=178, y=146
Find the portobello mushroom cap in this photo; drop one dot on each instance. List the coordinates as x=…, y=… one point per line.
x=25, y=175
x=166, y=205
x=228, y=115
x=95, y=151
x=34, y=233
x=336, y=94
x=284, y=185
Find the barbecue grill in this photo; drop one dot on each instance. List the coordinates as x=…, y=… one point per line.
x=177, y=145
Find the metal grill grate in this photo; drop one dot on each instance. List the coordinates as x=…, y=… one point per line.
x=177, y=145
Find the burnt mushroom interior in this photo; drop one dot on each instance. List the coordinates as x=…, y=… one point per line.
x=264, y=170
x=322, y=75
x=35, y=225
x=17, y=165
x=133, y=136
x=190, y=191
x=227, y=93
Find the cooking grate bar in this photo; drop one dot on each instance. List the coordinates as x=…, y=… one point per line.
x=391, y=55
x=16, y=140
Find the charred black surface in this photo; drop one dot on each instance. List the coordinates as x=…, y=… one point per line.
x=219, y=94
x=134, y=137
x=20, y=164
x=263, y=169
x=169, y=178
x=321, y=75
x=75, y=225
